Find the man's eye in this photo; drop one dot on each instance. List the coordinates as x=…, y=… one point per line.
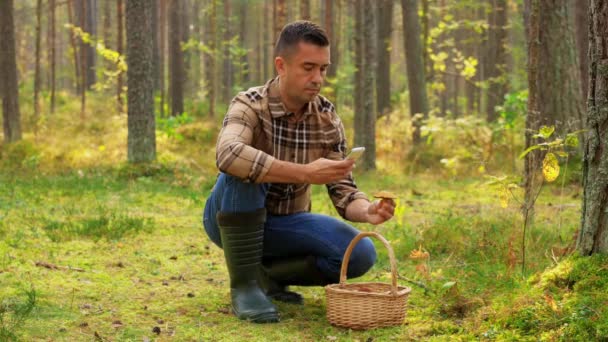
x=308, y=68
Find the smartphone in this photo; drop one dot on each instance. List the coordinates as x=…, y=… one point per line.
x=355, y=153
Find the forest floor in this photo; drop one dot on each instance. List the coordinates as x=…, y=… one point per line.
x=93, y=249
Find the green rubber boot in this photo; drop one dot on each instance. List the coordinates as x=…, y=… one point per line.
x=277, y=275
x=243, y=240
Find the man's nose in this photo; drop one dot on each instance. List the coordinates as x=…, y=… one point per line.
x=318, y=77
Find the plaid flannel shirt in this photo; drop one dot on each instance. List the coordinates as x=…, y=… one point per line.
x=257, y=130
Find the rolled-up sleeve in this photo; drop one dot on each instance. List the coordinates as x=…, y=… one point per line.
x=234, y=153
x=344, y=191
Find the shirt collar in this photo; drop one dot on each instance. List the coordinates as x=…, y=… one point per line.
x=277, y=108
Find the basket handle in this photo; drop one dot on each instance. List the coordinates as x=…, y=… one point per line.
x=352, y=245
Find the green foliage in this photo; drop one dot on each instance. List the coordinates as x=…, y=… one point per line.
x=13, y=313
x=114, y=57
x=20, y=155
x=170, y=124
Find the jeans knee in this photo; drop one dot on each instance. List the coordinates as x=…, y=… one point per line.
x=362, y=258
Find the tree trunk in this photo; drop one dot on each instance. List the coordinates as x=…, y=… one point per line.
x=155, y=48
x=84, y=52
x=228, y=71
x=383, y=81
x=52, y=53
x=119, y=49
x=280, y=17
x=497, y=58
x=359, y=124
x=305, y=9
x=8, y=68
x=162, y=54
x=176, y=60
x=107, y=22
x=581, y=29
x=87, y=20
x=244, y=76
x=37, y=78
x=75, y=49
x=368, y=161
x=559, y=84
x=140, y=93
x=593, y=236
x=212, y=57
x=415, y=65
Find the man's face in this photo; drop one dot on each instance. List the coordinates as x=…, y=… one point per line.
x=303, y=71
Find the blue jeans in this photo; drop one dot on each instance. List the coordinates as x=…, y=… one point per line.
x=300, y=234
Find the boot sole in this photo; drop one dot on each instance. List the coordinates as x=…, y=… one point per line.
x=264, y=317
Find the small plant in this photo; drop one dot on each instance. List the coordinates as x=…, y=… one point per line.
x=550, y=170
x=13, y=312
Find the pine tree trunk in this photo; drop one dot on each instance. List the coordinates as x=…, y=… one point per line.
x=305, y=9
x=162, y=54
x=140, y=93
x=593, y=236
x=383, y=81
x=581, y=29
x=75, y=50
x=37, y=76
x=280, y=17
x=9, y=85
x=559, y=84
x=176, y=60
x=368, y=161
x=119, y=48
x=228, y=72
x=359, y=78
x=497, y=58
x=52, y=53
x=415, y=65
x=212, y=58
x=155, y=48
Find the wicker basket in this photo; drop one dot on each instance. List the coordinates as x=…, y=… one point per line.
x=362, y=306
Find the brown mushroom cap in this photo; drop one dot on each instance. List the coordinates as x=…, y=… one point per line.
x=385, y=195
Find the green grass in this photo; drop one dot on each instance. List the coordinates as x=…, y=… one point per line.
x=112, y=251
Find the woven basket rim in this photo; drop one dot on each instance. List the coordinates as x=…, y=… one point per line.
x=343, y=289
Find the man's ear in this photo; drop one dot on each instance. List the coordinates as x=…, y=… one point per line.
x=279, y=64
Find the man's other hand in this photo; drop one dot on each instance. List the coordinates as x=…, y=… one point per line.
x=380, y=211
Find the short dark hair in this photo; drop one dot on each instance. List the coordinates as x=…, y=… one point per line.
x=299, y=31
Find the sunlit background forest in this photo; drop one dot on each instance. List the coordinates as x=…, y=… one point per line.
x=474, y=112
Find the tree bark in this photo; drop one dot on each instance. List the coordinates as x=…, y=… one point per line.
x=140, y=93
x=593, y=236
x=155, y=47
x=176, y=60
x=52, y=53
x=305, y=9
x=37, y=78
x=120, y=50
x=359, y=124
x=383, y=81
x=162, y=54
x=415, y=65
x=9, y=84
x=228, y=70
x=75, y=50
x=368, y=161
x=497, y=57
x=560, y=101
x=280, y=17
x=211, y=58
x=581, y=29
